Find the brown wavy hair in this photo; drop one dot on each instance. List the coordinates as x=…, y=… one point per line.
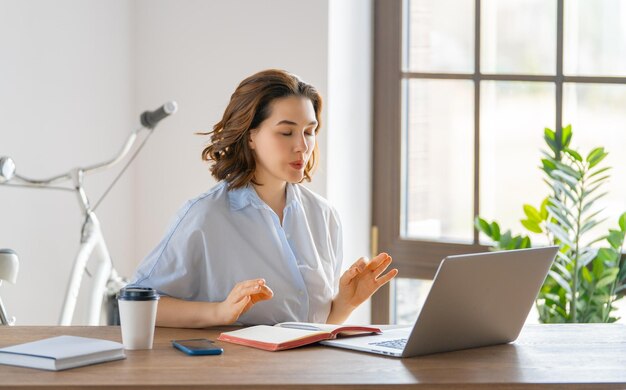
x=249, y=106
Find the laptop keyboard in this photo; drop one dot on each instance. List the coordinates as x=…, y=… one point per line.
x=396, y=344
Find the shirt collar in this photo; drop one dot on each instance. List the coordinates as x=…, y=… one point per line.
x=244, y=196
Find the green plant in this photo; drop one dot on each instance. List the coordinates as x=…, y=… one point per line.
x=585, y=280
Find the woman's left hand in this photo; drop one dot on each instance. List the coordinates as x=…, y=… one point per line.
x=358, y=283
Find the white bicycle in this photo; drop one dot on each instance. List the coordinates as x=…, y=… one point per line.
x=106, y=279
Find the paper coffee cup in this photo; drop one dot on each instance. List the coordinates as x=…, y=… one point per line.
x=138, y=307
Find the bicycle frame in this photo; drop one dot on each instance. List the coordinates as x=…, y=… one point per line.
x=92, y=241
x=9, y=267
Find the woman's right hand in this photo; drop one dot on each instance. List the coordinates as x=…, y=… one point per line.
x=242, y=297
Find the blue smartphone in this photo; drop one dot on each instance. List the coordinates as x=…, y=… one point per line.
x=197, y=347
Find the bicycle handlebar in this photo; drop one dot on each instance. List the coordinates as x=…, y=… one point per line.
x=149, y=120
x=7, y=169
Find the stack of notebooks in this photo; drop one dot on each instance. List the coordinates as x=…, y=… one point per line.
x=288, y=335
x=61, y=353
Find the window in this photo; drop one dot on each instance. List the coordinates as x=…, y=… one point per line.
x=463, y=90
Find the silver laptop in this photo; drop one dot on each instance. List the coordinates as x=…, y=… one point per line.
x=475, y=300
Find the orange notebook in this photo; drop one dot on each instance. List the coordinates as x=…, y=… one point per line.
x=288, y=335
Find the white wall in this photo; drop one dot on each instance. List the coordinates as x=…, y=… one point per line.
x=66, y=99
x=349, y=108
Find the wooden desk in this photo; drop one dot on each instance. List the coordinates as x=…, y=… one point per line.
x=550, y=356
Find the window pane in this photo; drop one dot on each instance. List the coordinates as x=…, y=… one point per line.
x=596, y=113
x=595, y=38
x=440, y=36
x=518, y=36
x=513, y=118
x=409, y=299
x=438, y=160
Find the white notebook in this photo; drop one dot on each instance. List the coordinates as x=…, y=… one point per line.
x=61, y=353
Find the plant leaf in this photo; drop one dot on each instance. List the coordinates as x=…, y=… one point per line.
x=562, y=219
x=611, y=271
x=505, y=239
x=551, y=297
x=550, y=137
x=561, y=282
x=575, y=155
x=588, y=204
x=532, y=213
x=482, y=225
x=599, y=180
x=605, y=281
x=564, y=177
x=594, y=153
x=586, y=257
x=576, y=174
x=607, y=255
x=566, y=259
x=592, y=190
x=587, y=275
x=599, y=171
x=622, y=222
x=587, y=219
x=595, y=156
x=563, y=271
x=558, y=185
x=558, y=205
x=495, y=231
x=559, y=233
x=615, y=238
x=531, y=226
x=598, y=267
x=590, y=225
x=597, y=160
x=548, y=164
x=566, y=135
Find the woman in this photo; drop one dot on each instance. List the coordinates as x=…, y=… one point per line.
x=259, y=248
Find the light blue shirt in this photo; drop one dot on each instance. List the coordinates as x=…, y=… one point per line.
x=224, y=237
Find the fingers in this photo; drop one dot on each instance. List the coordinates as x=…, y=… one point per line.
x=355, y=269
x=264, y=294
x=246, y=288
x=376, y=266
x=359, y=265
x=379, y=264
x=382, y=266
x=386, y=277
x=349, y=275
x=378, y=260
